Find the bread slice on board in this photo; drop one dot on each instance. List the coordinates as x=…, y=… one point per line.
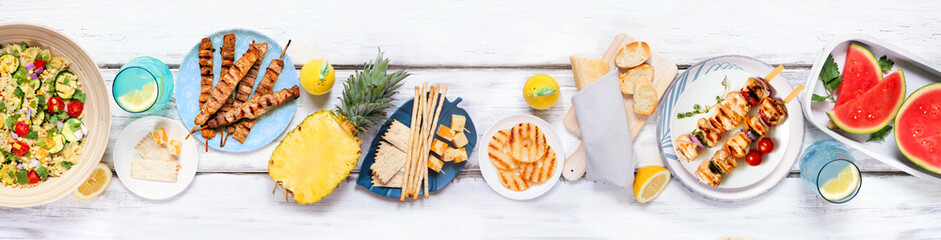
x=632, y=55
x=644, y=72
x=645, y=97
x=587, y=70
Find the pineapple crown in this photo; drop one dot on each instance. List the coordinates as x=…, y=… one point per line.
x=368, y=92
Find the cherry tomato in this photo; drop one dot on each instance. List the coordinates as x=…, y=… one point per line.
x=19, y=148
x=33, y=177
x=21, y=128
x=39, y=63
x=753, y=158
x=75, y=109
x=55, y=104
x=765, y=145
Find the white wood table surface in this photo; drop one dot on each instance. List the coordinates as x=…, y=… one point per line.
x=484, y=50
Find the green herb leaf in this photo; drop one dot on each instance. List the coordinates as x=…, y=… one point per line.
x=41, y=143
x=544, y=91
x=830, y=70
x=32, y=135
x=885, y=63
x=10, y=121
x=43, y=172
x=880, y=135
x=11, y=174
x=66, y=164
x=21, y=177
x=79, y=95
x=818, y=98
x=834, y=83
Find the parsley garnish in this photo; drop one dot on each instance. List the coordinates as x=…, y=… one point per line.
x=10, y=121
x=79, y=95
x=880, y=135
x=43, y=173
x=697, y=109
x=885, y=63
x=32, y=135
x=830, y=75
x=21, y=177
x=66, y=164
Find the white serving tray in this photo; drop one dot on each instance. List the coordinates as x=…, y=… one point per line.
x=918, y=72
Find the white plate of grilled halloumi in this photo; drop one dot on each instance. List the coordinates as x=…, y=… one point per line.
x=523, y=157
x=152, y=158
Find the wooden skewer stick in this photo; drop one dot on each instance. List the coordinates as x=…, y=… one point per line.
x=774, y=73
x=794, y=93
x=285, y=49
x=434, y=129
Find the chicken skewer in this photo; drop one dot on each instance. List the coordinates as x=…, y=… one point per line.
x=244, y=127
x=227, y=84
x=242, y=91
x=205, y=71
x=254, y=107
x=771, y=112
x=728, y=116
x=227, y=51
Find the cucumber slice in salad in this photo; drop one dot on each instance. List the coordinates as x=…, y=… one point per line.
x=9, y=63
x=71, y=128
x=66, y=83
x=57, y=144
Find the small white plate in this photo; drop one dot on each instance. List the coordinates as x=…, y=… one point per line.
x=124, y=153
x=490, y=172
x=699, y=85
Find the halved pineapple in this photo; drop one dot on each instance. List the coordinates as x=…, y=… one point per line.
x=314, y=158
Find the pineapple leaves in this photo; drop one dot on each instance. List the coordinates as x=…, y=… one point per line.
x=368, y=92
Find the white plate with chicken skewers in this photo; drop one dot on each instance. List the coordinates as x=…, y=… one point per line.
x=706, y=133
x=191, y=85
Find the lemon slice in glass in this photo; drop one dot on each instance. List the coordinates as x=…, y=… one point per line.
x=139, y=100
x=842, y=185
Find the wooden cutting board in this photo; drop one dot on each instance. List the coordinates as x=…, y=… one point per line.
x=585, y=73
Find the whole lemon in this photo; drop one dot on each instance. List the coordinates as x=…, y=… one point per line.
x=317, y=77
x=541, y=92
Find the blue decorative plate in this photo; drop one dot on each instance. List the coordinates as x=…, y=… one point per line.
x=268, y=126
x=436, y=181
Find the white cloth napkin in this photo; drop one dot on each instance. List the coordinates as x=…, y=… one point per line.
x=606, y=134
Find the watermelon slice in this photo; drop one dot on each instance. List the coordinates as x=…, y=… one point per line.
x=873, y=110
x=917, y=132
x=861, y=72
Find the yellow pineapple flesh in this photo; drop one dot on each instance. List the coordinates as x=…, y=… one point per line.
x=314, y=158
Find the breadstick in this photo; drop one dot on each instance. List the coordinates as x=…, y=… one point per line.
x=434, y=129
x=426, y=146
x=413, y=138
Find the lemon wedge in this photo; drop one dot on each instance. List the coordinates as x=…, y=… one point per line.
x=649, y=182
x=139, y=100
x=99, y=180
x=842, y=185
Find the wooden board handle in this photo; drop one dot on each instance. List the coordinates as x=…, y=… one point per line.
x=574, y=167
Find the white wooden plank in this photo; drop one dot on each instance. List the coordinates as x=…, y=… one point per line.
x=489, y=95
x=242, y=206
x=487, y=33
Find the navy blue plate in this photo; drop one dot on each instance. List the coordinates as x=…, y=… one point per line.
x=436, y=181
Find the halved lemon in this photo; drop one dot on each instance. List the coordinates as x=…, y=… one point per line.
x=99, y=180
x=139, y=100
x=842, y=185
x=649, y=182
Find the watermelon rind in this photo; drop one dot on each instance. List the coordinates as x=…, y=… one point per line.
x=915, y=159
x=845, y=126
